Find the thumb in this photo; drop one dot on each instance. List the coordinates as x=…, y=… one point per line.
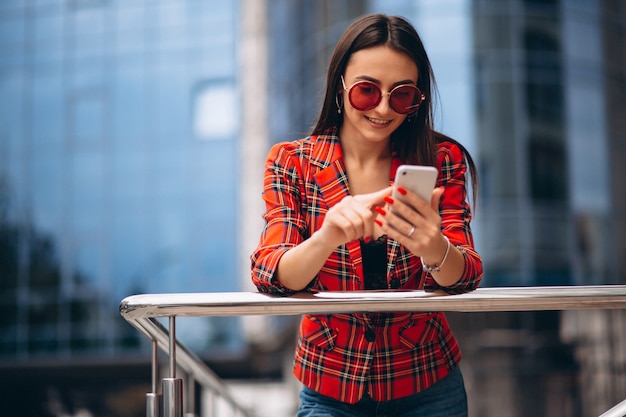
x=436, y=198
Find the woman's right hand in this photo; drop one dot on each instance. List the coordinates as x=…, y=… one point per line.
x=352, y=218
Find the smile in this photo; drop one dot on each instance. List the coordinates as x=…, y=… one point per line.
x=378, y=121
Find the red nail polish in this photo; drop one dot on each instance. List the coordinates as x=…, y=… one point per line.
x=381, y=211
x=378, y=222
x=367, y=239
x=389, y=200
x=401, y=190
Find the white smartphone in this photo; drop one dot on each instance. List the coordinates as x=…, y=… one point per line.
x=418, y=178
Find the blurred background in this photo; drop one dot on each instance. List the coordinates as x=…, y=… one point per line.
x=132, y=140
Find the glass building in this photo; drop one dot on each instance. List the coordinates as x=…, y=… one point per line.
x=542, y=118
x=118, y=165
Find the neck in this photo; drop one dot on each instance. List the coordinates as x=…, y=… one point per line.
x=365, y=153
x=367, y=165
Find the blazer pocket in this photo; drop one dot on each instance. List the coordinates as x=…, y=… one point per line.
x=316, y=332
x=420, y=332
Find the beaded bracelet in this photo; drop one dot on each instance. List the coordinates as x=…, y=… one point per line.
x=431, y=269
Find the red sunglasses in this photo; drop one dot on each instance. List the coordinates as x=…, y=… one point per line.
x=365, y=95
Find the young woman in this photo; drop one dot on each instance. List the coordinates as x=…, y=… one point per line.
x=331, y=224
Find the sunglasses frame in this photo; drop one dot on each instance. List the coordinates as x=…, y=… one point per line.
x=412, y=109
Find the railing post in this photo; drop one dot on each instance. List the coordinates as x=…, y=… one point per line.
x=152, y=405
x=153, y=398
x=191, y=396
x=172, y=386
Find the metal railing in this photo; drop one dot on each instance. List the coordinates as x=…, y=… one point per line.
x=142, y=311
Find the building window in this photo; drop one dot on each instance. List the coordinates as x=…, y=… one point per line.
x=214, y=110
x=544, y=78
x=547, y=170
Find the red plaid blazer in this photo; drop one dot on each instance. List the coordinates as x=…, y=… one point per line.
x=343, y=355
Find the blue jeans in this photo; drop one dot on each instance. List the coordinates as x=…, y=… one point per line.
x=447, y=398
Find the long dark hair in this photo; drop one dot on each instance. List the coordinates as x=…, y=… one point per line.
x=415, y=140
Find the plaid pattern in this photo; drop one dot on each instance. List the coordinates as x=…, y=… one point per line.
x=342, y=355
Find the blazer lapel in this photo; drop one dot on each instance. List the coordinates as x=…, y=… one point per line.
x=331, y=176
x=332, y=180
x=393, y=247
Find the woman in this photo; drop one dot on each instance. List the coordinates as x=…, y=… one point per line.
x=331, y=224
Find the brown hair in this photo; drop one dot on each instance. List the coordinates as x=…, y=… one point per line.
x=415, y=141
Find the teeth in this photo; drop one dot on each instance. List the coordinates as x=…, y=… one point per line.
x=378, y=121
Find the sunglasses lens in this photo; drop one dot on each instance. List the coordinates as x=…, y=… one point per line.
x=364, y=95
x=405, y=99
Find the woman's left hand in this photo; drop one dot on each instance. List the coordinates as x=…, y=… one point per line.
x=415, y=223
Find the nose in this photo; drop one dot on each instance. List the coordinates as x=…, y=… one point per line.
x=384, y=104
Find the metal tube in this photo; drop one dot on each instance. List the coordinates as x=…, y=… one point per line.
x=191, y=396
x=155, y=365
x=483, y=299
x=618, y=411
x=172, y=347
x=172, y=397
x=153, y=405
x=153, y=398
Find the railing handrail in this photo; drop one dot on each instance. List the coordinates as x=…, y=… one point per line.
x=142, y=311
x=482, y=299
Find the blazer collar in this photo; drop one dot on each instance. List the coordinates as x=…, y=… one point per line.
x=327, y=155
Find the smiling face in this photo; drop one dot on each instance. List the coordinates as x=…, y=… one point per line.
x=387, y=68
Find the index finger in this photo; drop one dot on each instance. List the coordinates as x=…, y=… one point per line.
x=374, y=199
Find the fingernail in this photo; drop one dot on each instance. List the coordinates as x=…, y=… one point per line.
x=389, y=200
x=378, y=222
x=401, y=190
x=381, y=211
x=367, y=239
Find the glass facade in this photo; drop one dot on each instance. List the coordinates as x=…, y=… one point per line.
x=542, y=147
x=117, y=167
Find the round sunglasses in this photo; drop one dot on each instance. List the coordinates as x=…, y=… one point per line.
x=365, y=95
